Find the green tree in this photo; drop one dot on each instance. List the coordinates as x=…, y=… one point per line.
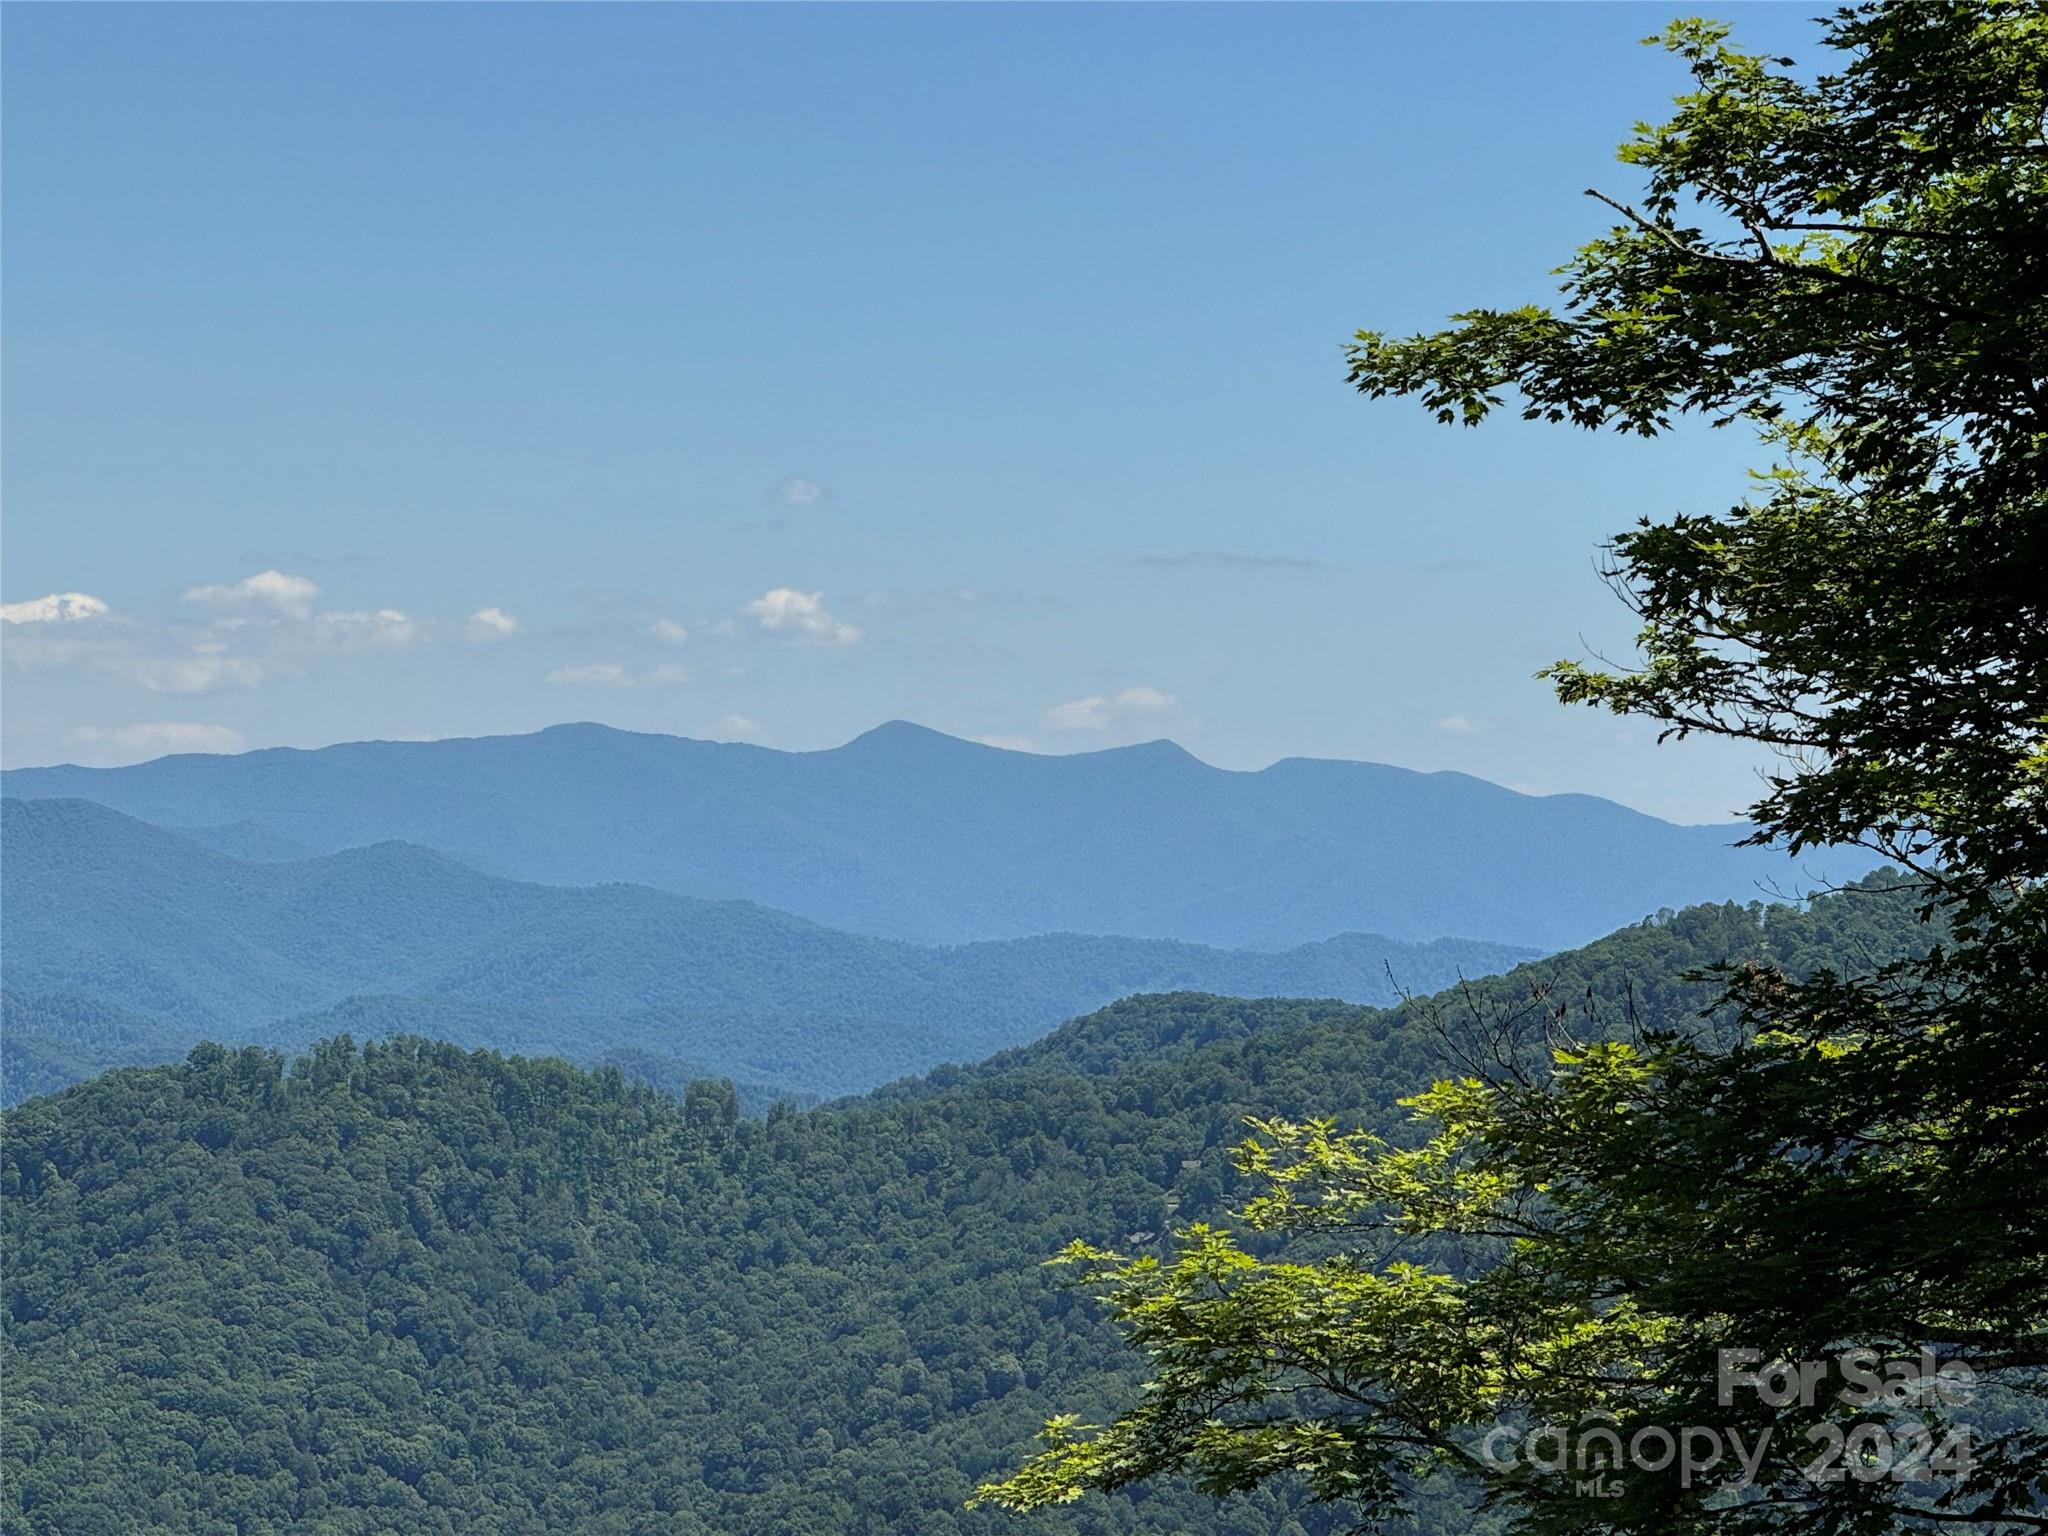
x=1853, y=264
x=400, y=1286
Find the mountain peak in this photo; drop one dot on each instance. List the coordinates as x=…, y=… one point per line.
x=904, y=736
x=907, y=736
x=1163, y=749
x=594, y=730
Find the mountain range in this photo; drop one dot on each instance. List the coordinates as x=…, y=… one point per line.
x=403, y=1287
x=909, y=834
x=128, y=942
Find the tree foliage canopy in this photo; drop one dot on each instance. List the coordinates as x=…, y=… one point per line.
x=404, y=1288
x=1857, y=264
x=1853, y=264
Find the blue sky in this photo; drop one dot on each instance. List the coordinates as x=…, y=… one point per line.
x=769, y=372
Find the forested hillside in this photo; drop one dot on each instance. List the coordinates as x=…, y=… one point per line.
x=48, y=1041
x=51, y=1040
x=405, y=1288
x=915, y=835
x=111, y=913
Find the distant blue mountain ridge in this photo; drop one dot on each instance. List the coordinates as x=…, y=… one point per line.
x=127, y=943
x=911, y=834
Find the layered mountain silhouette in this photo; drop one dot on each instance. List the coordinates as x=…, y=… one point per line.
x=126, y=941
x=911, y=834
x=478, y=1295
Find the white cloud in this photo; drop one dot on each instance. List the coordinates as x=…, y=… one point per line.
x=134, y=743
x=1456, y=725
x=609, y=674
x=799, y=492
x=1089, y=714
x=205, y=669
x=1105, y=712
x=733, y=728
x=801, y=615
x=1147, y=701
x=176, y=659
x=55, y=608
x=296, y=597
x=358, y=628
x=491, y=624
x=262, y=627
x=667, y=631
x=292, y=596
x=49, y=646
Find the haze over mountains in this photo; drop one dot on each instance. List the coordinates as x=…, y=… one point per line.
x=128, y=942
x=910, y=834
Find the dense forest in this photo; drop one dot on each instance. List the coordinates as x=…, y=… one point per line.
x=605, y=1132
x=402, y=1287
x=51, y=1040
